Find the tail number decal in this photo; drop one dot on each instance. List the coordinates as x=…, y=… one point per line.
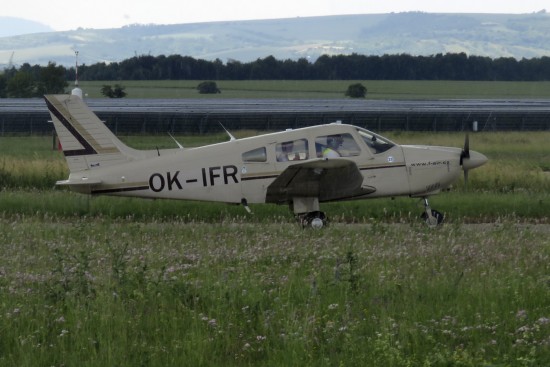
x=210, y=176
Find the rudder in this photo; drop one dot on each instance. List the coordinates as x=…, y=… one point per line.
x=86, y=142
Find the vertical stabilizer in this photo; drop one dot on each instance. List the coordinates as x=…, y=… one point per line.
x=86, y=142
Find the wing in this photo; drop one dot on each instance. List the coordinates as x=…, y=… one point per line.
x=333, y=179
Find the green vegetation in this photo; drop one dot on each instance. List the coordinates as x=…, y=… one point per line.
x=113, y=92
x=208, y=87
x=328, y=89
x=27, y=81
x=449, y=66
x=125, y=282
x=101, y=292
x=356, y=90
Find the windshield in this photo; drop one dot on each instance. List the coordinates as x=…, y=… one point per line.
x=376, y=143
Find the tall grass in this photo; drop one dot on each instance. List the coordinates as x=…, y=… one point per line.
x=458, y=207
x=35, y=173
x=99, y=292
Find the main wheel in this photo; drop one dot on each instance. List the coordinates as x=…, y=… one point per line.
x=436, y=219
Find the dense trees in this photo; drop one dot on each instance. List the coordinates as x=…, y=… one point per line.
x=339, y=67
x=28, y=81
x=33, y=81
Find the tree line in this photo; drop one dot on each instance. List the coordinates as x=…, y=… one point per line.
x=29, y=81
x=33, y=81
x=451, y=66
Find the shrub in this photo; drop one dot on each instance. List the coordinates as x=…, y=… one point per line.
x=116, y=92
x=356, y=90
x=208, y=88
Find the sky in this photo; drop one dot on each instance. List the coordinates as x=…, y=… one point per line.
x=64, y=15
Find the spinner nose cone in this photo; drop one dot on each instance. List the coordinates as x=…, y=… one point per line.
x=474, y=160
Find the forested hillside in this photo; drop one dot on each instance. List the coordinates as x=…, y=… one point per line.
x=415, y=33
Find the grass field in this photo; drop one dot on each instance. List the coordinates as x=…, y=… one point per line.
x=93, y=291
x=126, y=282
x=376, y=89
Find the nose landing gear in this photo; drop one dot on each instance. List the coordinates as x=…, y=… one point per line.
x=431, y=216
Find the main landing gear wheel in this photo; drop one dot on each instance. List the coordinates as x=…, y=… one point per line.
x=313, y=220
x=435, y=219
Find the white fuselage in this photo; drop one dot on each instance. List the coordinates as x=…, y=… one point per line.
x=221, y=173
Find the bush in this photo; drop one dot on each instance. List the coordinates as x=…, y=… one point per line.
x=208, y=88
x=356, y=90
x=117, y=92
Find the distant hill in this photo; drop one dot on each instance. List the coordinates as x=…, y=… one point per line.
x=415, y=33
x=10, y=26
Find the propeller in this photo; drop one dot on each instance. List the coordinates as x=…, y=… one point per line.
x=470, y=159
x=465, y=154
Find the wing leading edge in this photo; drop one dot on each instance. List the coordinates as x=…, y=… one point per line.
x=334, y=179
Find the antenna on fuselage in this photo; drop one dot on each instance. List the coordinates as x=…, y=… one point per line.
x=231, y=137
x=177, y=142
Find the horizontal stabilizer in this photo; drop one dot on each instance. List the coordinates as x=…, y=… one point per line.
x=83, y=185
x=83, y=182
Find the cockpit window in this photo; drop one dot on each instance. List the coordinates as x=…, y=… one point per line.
x=255, y=155
x=336, y=145
x=376, y=143
x=292, y=150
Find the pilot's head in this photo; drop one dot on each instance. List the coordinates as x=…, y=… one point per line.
x=335, y=141
x=288, y=146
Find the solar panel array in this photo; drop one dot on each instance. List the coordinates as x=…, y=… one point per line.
x=199, y=116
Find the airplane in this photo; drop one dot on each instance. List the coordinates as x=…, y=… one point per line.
x=301, y=167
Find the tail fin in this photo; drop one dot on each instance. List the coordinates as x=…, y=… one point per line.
x=87, y=143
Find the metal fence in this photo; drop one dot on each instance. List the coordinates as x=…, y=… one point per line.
x=160, y=117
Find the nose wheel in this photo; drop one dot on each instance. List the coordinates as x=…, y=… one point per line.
x=432, y=217
x=315, y=219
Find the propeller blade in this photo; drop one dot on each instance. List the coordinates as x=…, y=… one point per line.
x=465, y=154
x=466, y=150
